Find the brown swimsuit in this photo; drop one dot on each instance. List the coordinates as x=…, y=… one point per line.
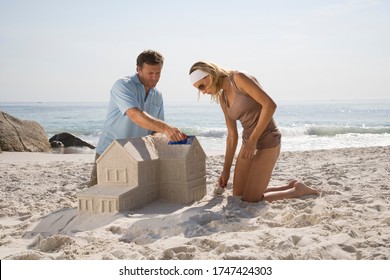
x=247, y=111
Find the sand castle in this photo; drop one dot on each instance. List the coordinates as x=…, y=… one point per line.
x=134, y=172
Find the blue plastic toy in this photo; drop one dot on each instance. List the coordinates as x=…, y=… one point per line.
x=187, y=141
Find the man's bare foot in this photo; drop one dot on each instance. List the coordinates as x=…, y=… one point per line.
x=302, y=189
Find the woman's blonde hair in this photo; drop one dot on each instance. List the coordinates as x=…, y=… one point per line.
x=217, y=74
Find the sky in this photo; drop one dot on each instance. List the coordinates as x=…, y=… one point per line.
x=73, y=51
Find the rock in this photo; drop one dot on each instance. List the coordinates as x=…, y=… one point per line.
x=56, y=144
x=22, y=135
x=68, y=140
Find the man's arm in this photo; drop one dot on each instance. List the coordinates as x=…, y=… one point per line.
x=148, y=122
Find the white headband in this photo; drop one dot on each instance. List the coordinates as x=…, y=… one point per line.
x=197, y=75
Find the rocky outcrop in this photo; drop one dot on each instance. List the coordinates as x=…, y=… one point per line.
x=66, y=139
x=22, y=135
x=56, y=144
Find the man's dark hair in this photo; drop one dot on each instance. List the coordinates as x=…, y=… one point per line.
x=150, y=57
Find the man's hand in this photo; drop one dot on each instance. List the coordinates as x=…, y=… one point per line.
x=174, y=134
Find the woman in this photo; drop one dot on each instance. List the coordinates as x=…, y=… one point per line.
x=242, y=98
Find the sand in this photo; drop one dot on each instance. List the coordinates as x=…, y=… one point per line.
x=349, y=221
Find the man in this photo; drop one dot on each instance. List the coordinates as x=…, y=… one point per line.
x=136, y=107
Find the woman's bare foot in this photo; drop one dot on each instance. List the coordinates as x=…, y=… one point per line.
x=281, y=188
x=302, y=189
x=292, y=184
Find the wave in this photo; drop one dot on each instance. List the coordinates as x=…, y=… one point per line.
x=295, y=131
x=221, y=133
x=206, y=132
x=332, y=130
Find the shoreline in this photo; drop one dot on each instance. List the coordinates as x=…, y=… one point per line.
x=349, y=220
x=77, y=153
x=67, y=154
x=14, y=157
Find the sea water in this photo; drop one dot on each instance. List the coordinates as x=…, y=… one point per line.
x=305, y=125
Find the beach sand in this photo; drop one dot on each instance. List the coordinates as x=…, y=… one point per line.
x=350, y=220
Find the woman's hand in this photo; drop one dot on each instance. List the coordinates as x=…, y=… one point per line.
x=223, y=180
x=248, y=150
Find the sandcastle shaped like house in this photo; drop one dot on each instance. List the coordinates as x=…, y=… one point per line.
x=133, y=172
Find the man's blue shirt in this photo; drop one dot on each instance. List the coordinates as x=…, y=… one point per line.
x=126, y=93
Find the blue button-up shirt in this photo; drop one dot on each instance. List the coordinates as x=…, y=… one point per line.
x=126, y=93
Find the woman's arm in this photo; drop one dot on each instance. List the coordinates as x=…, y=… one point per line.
x=231, y=145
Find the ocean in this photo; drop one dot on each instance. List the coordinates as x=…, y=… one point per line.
x=305, y=125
